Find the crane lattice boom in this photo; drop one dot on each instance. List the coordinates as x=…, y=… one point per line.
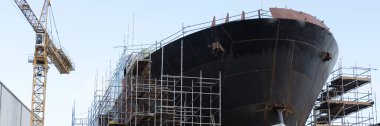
x=59, y=58
x=44, y=49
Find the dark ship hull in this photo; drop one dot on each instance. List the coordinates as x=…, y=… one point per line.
x=266, y=64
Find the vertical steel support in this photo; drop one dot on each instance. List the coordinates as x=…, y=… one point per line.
x=181, y=88
x=155, y=102
x=220, y=98
x=40, y=67
x=161, y=83
x=137, y=88
x=259, y=14
x=192, y=103
x=200, y=98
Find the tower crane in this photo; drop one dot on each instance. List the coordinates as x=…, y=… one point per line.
x=45, y=51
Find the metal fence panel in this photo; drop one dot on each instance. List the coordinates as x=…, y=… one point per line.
x=12, y=111
x=25, y=116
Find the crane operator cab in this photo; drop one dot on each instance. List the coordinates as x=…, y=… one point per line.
x=40, y=38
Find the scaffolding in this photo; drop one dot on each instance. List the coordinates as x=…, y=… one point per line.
x=131, y=97
x=346, y=100
x=107, y=106
x=80, y=122
x=172, y=100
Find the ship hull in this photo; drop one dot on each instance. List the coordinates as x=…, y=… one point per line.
x=266, y=65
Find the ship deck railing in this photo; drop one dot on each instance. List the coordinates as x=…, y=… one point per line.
x=189, y=29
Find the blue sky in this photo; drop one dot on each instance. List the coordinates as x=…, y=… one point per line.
x=89, y=29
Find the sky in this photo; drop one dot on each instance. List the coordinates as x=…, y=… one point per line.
x=90, y=29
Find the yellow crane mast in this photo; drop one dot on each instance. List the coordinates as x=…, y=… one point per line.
x=45, y=49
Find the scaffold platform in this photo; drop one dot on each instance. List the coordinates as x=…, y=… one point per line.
x=342, y=85
x=346, y=99
x=338, y=109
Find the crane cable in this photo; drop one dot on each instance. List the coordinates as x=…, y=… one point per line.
x=52, y=15
x=55, y=26
x=49, y=29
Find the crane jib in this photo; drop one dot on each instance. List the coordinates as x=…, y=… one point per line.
x=44, y=49
x=59, y=58
x=30, y=16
